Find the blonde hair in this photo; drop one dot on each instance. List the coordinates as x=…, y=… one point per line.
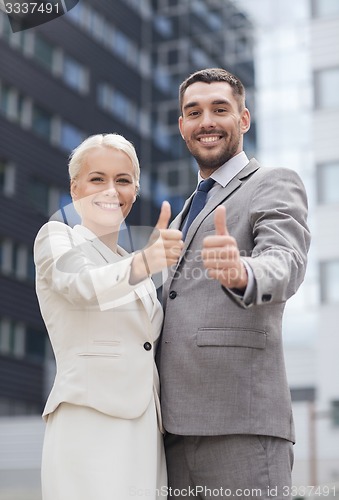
x=115, y=141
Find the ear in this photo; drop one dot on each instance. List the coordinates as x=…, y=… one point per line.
x=180, y=120
x=73, y=189
x=245, y=120
x=137, y=189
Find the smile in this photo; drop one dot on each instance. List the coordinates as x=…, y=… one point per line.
x=208, y=139
x=108, y=206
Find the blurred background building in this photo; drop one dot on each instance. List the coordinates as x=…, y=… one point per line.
x=297, y=111
x=103, y=68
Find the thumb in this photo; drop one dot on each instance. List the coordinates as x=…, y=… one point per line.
x=220, y=221
x=164, y=217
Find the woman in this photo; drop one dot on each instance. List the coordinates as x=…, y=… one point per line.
x=102, y=438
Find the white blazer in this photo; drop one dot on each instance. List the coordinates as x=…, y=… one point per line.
x=102, y=329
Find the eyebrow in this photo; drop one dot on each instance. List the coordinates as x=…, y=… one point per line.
x=96, y=172
x=215, y=102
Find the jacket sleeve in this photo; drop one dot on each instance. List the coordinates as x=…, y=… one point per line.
x=277, y=216
x=64, y=264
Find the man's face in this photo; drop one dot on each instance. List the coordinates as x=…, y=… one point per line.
x=211, y=123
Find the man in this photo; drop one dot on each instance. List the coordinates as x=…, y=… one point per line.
x=225, y=398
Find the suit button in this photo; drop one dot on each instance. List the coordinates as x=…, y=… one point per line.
x=147, y=346
x=172, y=294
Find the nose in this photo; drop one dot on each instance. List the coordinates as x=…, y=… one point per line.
x=207, y=120
x=110, y=190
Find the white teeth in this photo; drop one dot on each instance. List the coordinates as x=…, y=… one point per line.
x=209, y=138
x=109, y=206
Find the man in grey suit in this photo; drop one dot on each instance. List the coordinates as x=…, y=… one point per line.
x=225, y=399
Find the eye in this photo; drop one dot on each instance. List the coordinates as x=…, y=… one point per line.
x=220, y=110
x=193, y=113
x=123, y=180
x=97, y=179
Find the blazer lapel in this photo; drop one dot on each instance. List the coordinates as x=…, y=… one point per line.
x=106, y=254
x=145, y=292
x=178, y=220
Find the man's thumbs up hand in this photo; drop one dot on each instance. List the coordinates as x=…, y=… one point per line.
x=220, y=221
x=221, y=255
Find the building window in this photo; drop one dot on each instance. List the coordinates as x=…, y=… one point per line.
x=106, y=34
x=15, y=40
x=326, y=88
x=41, y=122
x=11, y=103
x=161, y=137
x=200, y=58
x=9, y=406
x=5, y=95
x=5, y=256
x=163, y=25
x=70, y=136
x=19, y=260
x=335, y=412
x=7, y=178
x=328, y=182
x=142, y=7
x=31, y=116
x=329, y=281
x=52, y=58
x=21, y=341
x=162, y=78
x=75, y=75
x=38, y=193
x=46, y=199
x=15, y=260
x=12, y=338
x=119, y=105
x=176, y=177
x=325, y=8
x=35, y=345
x=43, y=52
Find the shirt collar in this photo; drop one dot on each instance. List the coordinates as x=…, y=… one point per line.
x=224, y=174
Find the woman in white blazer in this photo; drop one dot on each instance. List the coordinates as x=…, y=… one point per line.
x=103, y=423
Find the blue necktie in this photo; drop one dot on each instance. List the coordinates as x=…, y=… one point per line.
x=198, y=203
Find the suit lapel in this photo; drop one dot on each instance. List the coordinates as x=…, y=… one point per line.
x=177, y=222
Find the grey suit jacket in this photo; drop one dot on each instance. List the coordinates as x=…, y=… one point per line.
x=221, y=361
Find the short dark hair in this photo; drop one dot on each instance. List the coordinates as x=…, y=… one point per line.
x=210, y=75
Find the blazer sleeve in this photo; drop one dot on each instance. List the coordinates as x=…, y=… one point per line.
x=64, y=264
x=277, y=216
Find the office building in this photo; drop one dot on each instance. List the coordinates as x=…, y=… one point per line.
x=297, y=106
x=99, y=68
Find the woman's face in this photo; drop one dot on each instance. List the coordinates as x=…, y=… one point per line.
x=105, y=189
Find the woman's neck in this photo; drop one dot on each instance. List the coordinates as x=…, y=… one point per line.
x=109, y=236
x=110, y=240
